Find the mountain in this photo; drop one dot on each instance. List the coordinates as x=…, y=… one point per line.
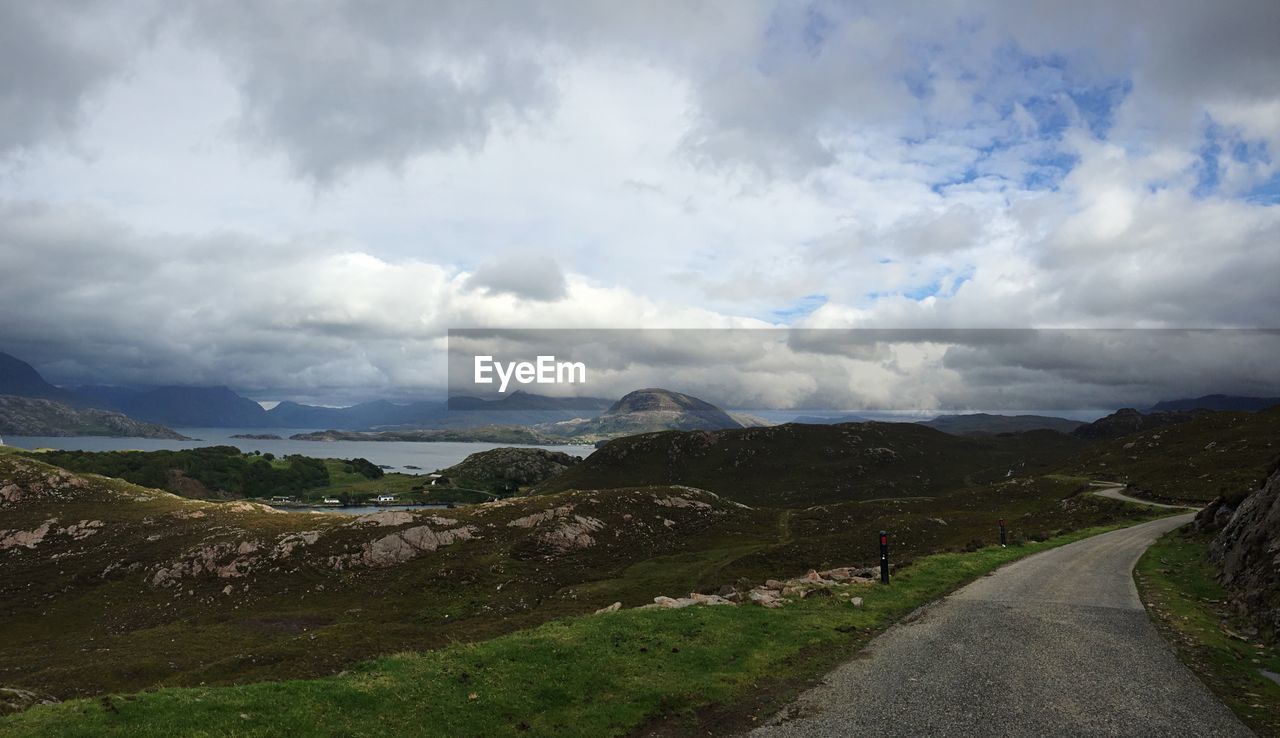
x=20, y=379
x=32, y=416
x=199, y=407
x=521, y=400
x=798, y=465
x=644, y=411
x=1128, y=420
x=986, y=423
x=1218, y=402
x=107, y=397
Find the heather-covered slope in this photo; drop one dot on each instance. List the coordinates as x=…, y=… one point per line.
x=797, y=465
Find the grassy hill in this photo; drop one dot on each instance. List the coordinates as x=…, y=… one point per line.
x=798, y=465
x=1215, y=453
x=110, y=586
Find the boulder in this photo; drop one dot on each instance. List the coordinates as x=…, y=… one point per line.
x=611, y=608
x=1246, y=551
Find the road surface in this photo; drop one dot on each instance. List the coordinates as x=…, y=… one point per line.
x=1055, y=644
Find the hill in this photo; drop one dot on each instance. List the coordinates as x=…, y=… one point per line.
x=27, y=416
x=1218, y=402
x=644, y=411
x=481, y=434
x=506, y=470
x=1209, y=454
x=986, y=423
x=20, y=379
x=1128, y=420
x=798, y=465
x=112, y=587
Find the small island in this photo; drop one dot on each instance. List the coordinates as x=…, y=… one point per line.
x=258, y=436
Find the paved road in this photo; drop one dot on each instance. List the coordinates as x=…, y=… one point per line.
x=1054, y=644
x=1115, y=494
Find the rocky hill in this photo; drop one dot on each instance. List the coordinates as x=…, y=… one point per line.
x=801, y=465
x=1128, y=420
x=644, y=411
x=1207, y=455
x=506, y=470
x=26, y=416
x=242, y=592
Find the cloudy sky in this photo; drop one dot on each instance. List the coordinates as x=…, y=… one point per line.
x=299, y=199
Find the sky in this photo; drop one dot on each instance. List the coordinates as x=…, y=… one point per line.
x=299, y=200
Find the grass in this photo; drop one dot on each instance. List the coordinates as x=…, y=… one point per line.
x=1190, y=609
x=581, y=676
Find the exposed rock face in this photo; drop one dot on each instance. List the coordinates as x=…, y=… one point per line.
x=1247, y=550
x=404, y=545
x=572, y=535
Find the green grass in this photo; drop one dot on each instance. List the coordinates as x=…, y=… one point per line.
x=1189, y=608
x=581, y=676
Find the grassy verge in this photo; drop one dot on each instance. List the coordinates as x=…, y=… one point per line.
x=1189, y=608
x=589, y=676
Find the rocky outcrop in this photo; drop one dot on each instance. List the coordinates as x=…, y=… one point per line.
x=14, y=700
x=403, y=545
x=1247, y=552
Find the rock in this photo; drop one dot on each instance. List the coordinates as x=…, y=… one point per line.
x=14, y=700
x=856, y=601
x=813, y=576
x=227, y=589
x=25, y=538
x=764, y=597
x=538, y=518
x=1245, y=550
x=774, y=584
x=702, y=599
x=842, y=574
x=672, y=603
x=611, y=608
x=573, y=535
x=384, y=518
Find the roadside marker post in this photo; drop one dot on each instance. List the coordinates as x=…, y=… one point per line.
x=1002, y=534
x=884, y=557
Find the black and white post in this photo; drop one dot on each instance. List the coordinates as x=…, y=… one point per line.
x=884, y=557
x=1002, y=533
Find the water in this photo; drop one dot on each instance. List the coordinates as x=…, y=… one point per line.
x=428, y=456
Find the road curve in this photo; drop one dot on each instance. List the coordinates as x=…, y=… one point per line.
x=1054, y=644
x=1115, y=493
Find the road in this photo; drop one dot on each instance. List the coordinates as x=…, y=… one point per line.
x=1055, y=644
x=1115, y=494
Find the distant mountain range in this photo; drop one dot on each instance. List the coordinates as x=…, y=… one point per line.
x=578, y=418
x=987, y=423
x=1218, y=403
